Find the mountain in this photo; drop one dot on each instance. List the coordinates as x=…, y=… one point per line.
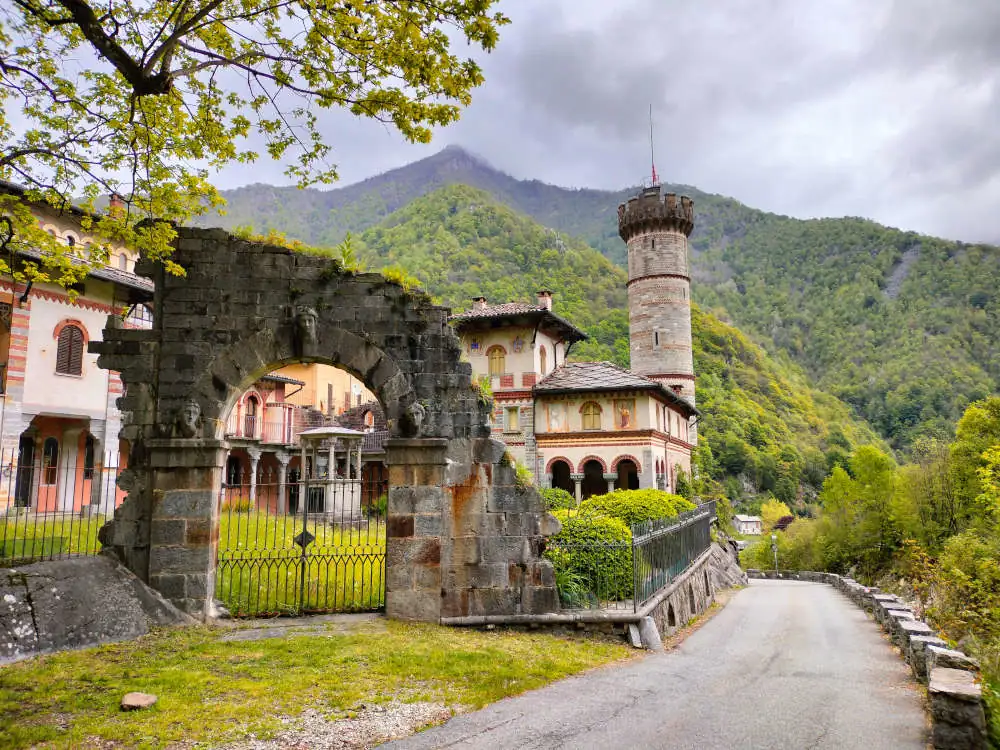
x=765, y=427
x=898, y=325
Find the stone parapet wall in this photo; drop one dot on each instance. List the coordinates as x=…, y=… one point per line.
x=954, y=686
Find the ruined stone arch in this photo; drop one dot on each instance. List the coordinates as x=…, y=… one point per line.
x=243, y=309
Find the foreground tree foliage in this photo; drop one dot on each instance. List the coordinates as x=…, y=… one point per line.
x=145, y=97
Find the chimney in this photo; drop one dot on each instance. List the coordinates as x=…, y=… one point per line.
x=479, y=303
x=545, y=299
x=116, y=204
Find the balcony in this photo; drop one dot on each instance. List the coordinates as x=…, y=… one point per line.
x=276, y=426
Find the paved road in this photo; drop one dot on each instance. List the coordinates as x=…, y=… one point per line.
x=784, y=665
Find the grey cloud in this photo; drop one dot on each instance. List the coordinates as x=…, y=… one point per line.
x=879, y=108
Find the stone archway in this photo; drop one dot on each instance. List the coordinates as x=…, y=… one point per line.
x=464, y=538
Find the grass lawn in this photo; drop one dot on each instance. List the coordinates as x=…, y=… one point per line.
x=212, y=690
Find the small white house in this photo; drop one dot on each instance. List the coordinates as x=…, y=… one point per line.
x=748, y=525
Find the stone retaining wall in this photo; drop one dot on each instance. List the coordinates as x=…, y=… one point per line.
x=952, y=678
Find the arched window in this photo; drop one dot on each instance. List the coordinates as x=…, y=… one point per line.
x=591, y=416
x=543, y=357
x=50, y=460
x=498, y=360
x=69, y=351
x=70, y=240
x=123, y=262
x=369, y=421
x=250, y=418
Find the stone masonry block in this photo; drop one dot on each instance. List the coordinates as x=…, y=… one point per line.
x=179, y=560
x=430, y=524
x=503, y=548
x=917, y=653
x=427, y=577
x=415, y=500
x=168, y=531
x=423, y=605
x=186, y=504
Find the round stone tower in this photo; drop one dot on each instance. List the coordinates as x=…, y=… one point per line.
x=656, y=228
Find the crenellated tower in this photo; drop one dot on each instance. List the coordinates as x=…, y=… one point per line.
x=656, y=228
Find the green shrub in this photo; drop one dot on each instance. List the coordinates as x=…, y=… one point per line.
x=556, y=498
x=635, y=506
x=591, y=554
x=379, y=508
x=241, y=505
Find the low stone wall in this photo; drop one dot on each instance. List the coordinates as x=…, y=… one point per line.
x=952, y=678
x=83, y=601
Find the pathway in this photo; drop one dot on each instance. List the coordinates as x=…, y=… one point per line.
x=785, y=665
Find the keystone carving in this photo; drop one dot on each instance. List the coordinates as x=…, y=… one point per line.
x=305, y=330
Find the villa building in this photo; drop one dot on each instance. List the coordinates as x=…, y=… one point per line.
x=589, y=427
x=59, y=423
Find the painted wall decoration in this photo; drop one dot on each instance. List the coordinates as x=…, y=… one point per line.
x=625, y=414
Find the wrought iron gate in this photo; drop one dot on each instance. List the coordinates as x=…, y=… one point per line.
x=307, y=544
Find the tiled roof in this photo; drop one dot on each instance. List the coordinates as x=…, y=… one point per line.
x=603, y=376
x=495, y=311
x=509, y=310
x=105, y=273
x=282, y=379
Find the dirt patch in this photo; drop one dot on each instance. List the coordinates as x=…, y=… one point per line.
x=369, y=727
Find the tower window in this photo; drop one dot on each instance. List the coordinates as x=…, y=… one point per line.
x=656, y=338
x=513, y=419
x=652, y=243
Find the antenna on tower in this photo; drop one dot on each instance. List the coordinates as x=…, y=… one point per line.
x=652, y=158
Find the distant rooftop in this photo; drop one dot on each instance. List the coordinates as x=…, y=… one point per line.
x=483, y=314
x=604, y=376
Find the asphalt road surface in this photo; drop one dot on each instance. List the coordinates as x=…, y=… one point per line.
x=786, y=664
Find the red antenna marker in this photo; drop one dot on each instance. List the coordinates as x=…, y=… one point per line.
x=652, y=159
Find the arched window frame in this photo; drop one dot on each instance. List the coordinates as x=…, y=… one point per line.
x=71, y=342
x=497, y=358
x=123, y=262
x=590, y=415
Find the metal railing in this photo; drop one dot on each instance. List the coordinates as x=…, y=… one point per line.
x=662, y=550
x=53, y=509
x=595, y=572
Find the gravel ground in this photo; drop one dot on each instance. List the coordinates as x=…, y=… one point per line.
x=371, y=726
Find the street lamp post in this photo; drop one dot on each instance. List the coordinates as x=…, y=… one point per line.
x=774, y=548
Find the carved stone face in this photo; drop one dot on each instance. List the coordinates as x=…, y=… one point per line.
x=188, y=418
x=306, y=321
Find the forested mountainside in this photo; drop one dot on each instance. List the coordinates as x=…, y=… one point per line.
x=896, y=324
x=765, y=427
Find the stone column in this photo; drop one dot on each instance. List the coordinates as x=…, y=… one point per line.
x=284, y=457
x=611, y=477
x=648, y=476
x=254, y=454
x=184, y=477
x=415, y=528
x=66, y=479
x=577, y=481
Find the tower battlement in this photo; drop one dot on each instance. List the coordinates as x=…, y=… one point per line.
x=651, y=211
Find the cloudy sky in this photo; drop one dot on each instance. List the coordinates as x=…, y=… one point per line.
x=886, y=109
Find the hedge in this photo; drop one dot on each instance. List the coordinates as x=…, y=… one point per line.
x=556, y=498
x=592, y=557
x=635, y=506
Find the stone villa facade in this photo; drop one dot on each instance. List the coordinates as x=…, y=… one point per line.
x=590, y=427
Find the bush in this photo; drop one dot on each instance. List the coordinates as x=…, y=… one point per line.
x=592, y=557
x=379, y=508
x=241, y=505
x=635, y=506
x=557, y=499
